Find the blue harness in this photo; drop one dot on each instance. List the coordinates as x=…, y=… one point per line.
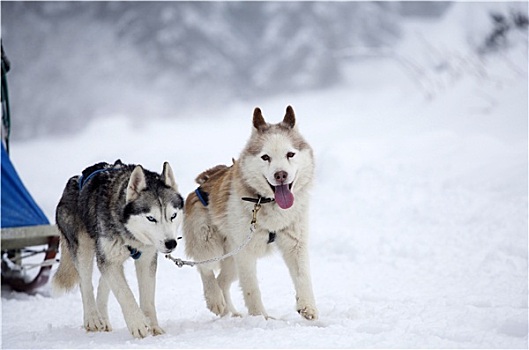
x=134, y=253
x=83, y=180
x=203, y=196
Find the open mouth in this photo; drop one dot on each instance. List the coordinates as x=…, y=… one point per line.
x=283, y=195
x=274, y=187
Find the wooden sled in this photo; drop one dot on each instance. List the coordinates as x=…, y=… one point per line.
x=22, y=248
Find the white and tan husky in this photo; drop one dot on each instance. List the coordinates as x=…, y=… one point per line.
x=277, y=166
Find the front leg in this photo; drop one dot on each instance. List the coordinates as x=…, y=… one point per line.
x=103, y=291
x=247, y=268
x=295, y=253
x=136, y=321
x=146, y=273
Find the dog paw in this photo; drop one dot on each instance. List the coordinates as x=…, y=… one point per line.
x=309, y=312
x=236, y=314
x=258, y=312
x=93, y=322
x=106, y=325
x=216, y=303
x=217, y=308
x=157, y=330
x=139, y=327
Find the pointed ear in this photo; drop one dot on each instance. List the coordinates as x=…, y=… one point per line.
x=136, y=184
x=290, y=117
x=258, y=120
x=168, y=176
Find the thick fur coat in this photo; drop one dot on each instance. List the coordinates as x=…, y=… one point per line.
x=276, y=163
x=114, y=212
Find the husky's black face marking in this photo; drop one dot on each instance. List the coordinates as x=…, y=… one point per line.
x=134, y=208
x=161, y=194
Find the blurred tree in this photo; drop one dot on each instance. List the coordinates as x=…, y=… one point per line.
x=73, y=61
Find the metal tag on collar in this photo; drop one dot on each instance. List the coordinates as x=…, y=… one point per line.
x=255, y=209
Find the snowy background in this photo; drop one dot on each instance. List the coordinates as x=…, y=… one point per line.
x=419, y=211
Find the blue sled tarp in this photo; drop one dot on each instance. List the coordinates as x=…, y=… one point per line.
x=18, y=207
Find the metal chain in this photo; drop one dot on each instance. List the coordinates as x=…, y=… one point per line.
x=180, y=263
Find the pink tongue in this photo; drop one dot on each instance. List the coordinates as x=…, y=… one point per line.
x=283, y=197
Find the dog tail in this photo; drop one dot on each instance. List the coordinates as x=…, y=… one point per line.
x=66, y=276
x=206, y=175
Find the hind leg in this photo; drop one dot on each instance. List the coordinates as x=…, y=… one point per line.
x=227, y=275
x=93, y=321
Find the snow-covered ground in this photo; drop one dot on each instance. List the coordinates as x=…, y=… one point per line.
x=418, y=216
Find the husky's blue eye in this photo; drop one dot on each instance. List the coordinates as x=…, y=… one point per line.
x=290, y=154
x=173, y=216
x=265, y=157
x=151, y=219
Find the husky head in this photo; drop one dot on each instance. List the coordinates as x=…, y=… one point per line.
x=277, y=162
x=153, y=210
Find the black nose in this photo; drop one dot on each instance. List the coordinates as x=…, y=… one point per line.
x=170, y=244
x=281, y=176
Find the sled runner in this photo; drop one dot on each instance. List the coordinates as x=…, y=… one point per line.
x=26, y=234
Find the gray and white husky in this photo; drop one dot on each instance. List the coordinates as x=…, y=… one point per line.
x=276, y=166
x=114, y=212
